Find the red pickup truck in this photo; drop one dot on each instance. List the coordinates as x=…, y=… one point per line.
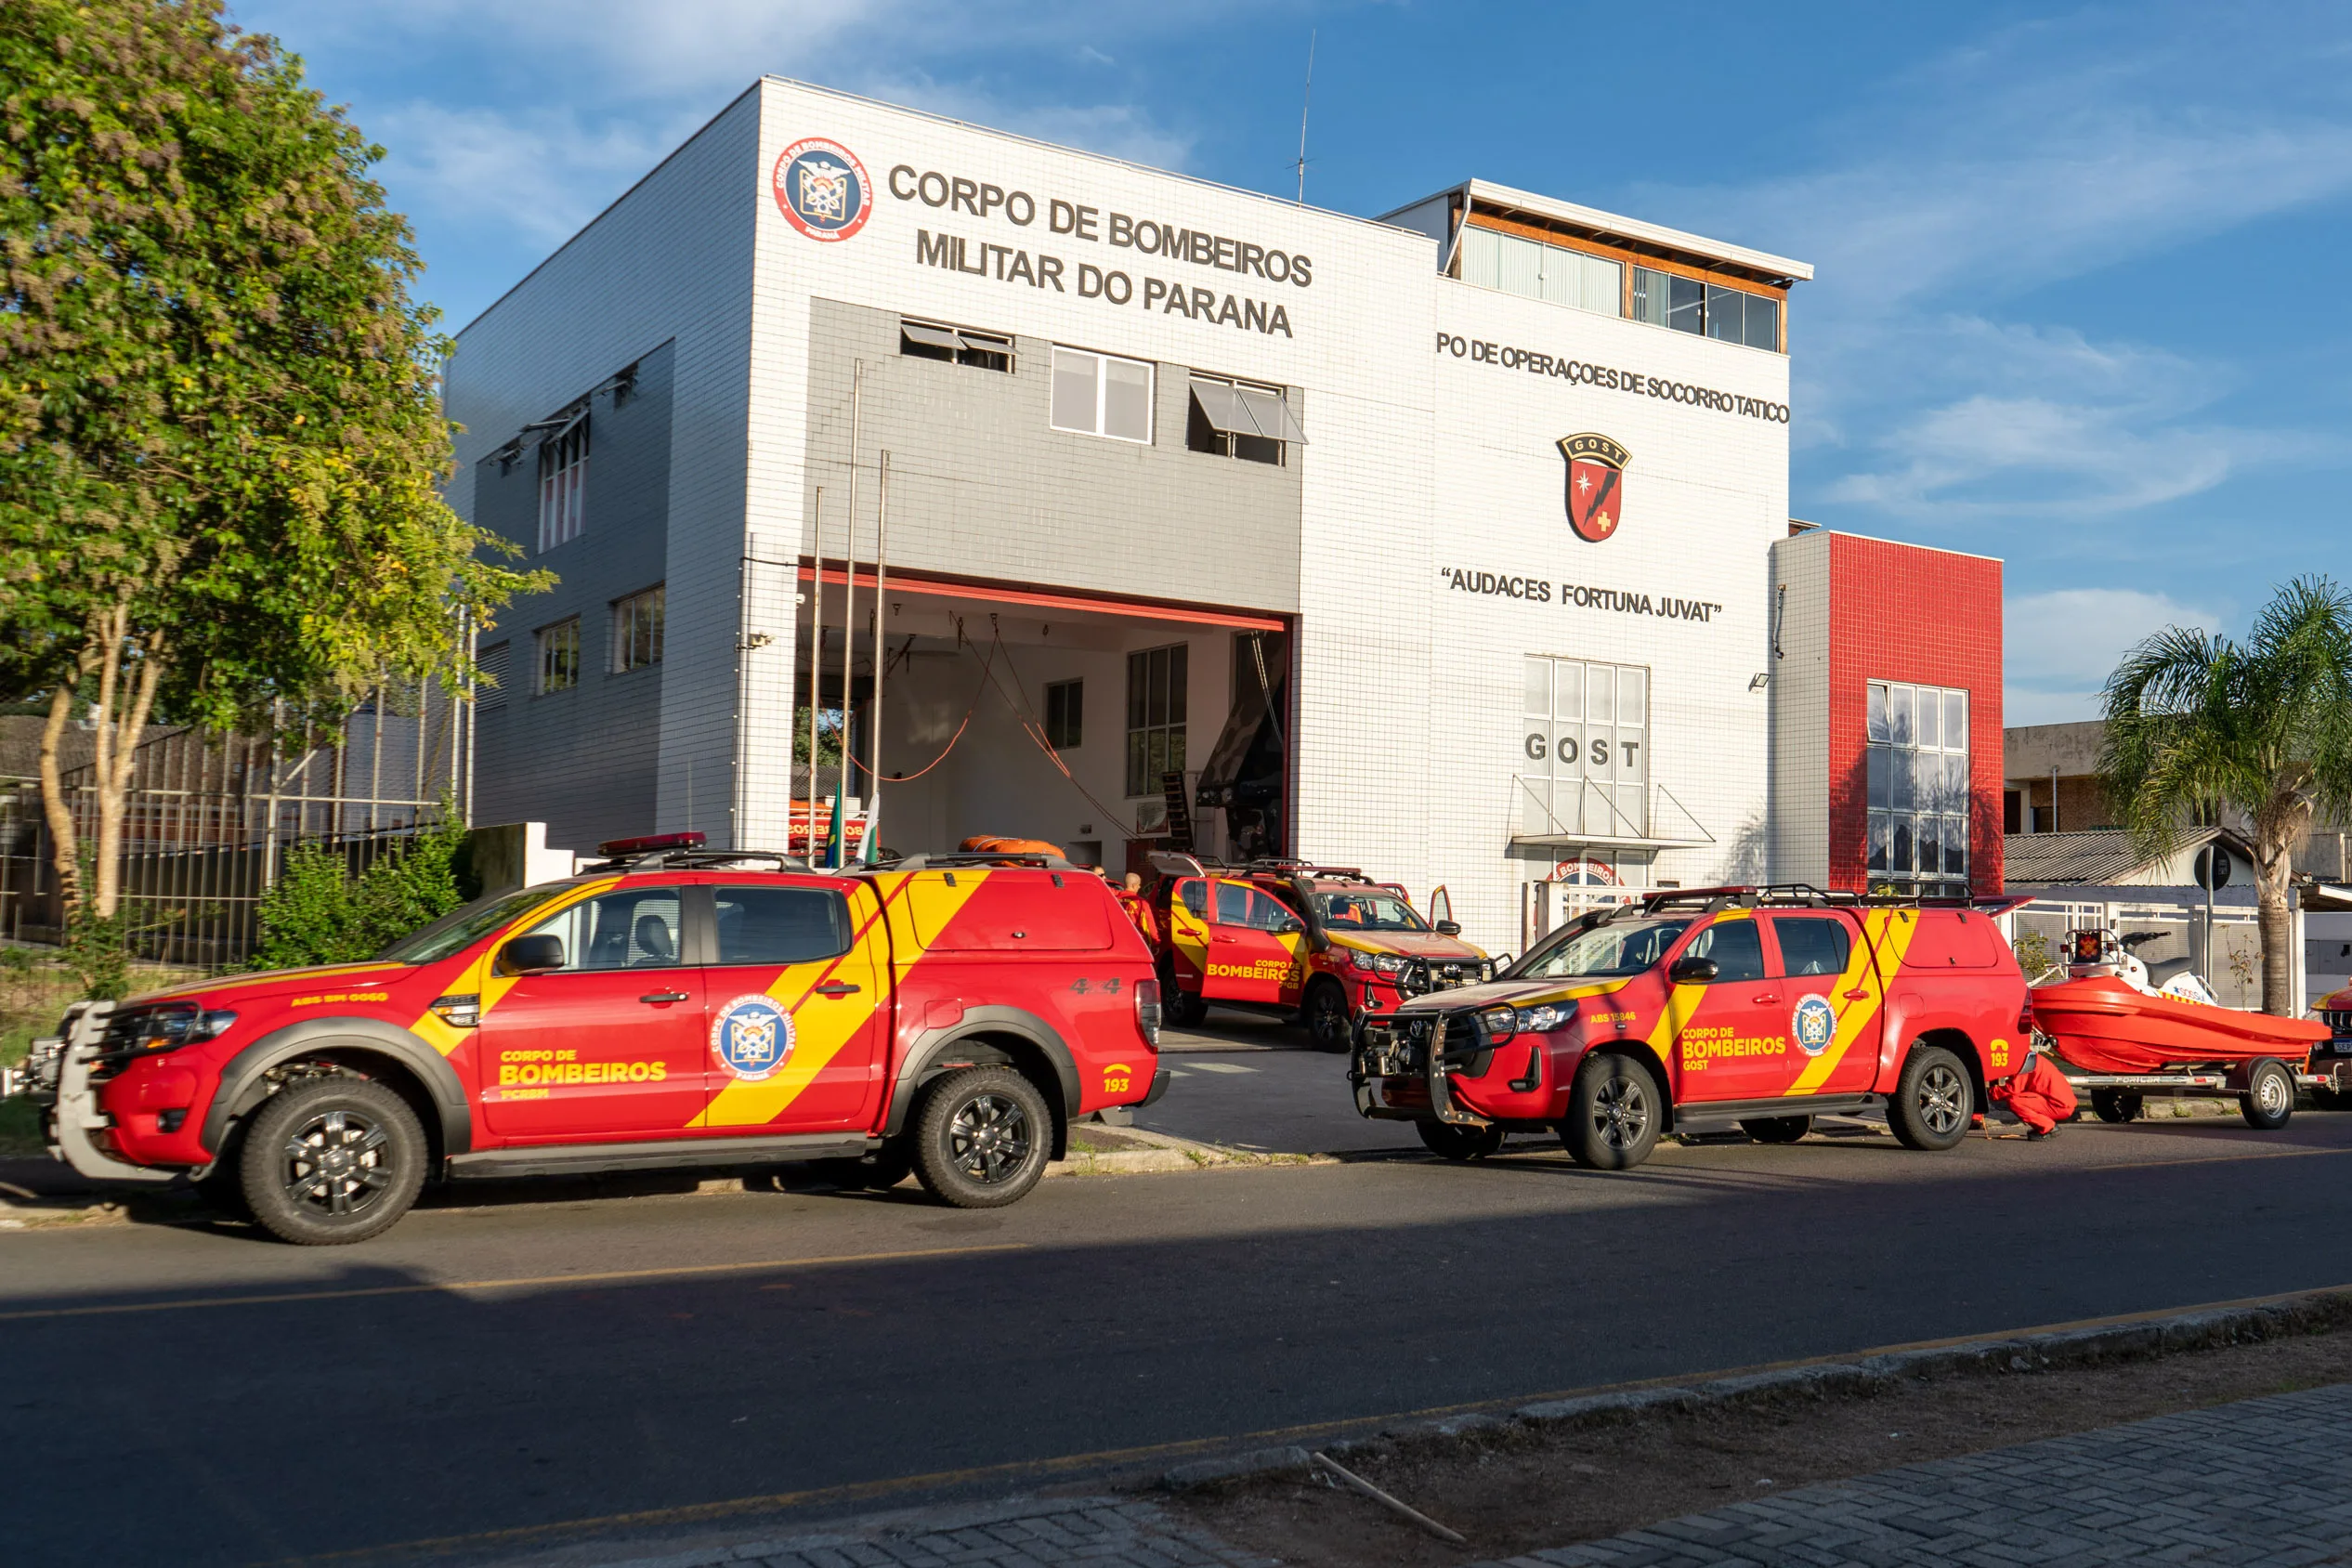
x=951, y=1015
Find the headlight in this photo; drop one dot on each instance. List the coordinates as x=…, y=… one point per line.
x=1376, y=963
x=168, y=1028
x=1537, y=1020
x=1501, y=1023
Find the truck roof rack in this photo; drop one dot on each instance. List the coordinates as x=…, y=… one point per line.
x=698, y=859
x=1307, y=869
x=961, y=858
x=1786, y=896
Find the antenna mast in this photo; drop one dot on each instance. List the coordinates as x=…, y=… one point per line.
x=1305, y=101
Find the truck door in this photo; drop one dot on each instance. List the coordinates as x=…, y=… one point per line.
x=608, y=1046
x=1731, y=1035
x=1833, y=996
x=799, y=1006
x=1253, y=945
x=1188, y=938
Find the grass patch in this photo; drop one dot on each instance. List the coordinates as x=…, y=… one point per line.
x=21, y=1129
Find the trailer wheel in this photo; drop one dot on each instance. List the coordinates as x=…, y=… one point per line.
x=1449, y=1141
x=2269, y=1097
x=2115, y=1104
x=1933, y=1100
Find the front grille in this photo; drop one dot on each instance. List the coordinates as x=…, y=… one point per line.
x=2339, y=1022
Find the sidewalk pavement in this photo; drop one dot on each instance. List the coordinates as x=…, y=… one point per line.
x=2256, y=1482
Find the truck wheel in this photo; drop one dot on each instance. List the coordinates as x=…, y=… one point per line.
x=1614, y=1110
x=332, y=1161
x=1451, y=1141
x=982, y=1138
x=1326, y=1016
x=1933, y=1100
x=1777, y=1130
x=2269, y=1097
x=2115, y=1104
x=1185, y=1010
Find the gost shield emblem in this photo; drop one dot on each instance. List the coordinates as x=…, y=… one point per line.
x=752, y=1037
x=1814, y=1024
x=1596, y=485
x=822, y=189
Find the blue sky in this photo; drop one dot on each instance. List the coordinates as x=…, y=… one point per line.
x=2080, y=275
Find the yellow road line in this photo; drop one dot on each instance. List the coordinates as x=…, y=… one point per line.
x=605, y=1277
x=691, y=1513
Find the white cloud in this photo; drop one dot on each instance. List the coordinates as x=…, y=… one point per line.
x=542, y=173
x=2058, y=647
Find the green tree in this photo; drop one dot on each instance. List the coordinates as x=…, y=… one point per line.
x=2199, y=724
x=221, y=442
x=314, y=913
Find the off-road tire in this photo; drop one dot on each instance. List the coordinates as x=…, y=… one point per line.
x=982, y=1138
x=1933, y=1100
x=1777, y=1130
x=2116, y=1105
x=2268, y=1101
x=365, y=1165
x=1615, y=1111
x=1461, y=1143
x=1324, y=1012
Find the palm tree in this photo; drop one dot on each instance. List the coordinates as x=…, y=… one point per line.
x=2196, y=723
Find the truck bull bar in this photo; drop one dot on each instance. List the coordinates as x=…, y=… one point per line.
x=1393, y=1052
x=60, y=1066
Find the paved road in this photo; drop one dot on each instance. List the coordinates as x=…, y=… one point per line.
x=197, y=1395
x=1254, y=1083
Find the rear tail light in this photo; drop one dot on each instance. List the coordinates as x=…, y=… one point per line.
x=2025, y=1018
x=1147, y=1012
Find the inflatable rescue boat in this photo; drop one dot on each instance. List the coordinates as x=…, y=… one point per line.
x=2106, y=1018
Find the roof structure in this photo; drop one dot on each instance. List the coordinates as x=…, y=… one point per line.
x=2101, y=858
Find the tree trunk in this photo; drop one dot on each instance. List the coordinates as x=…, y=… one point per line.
x=2274, y=865
x=125, y=697
x=55, y=808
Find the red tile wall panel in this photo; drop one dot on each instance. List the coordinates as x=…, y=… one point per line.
x=1897, y=612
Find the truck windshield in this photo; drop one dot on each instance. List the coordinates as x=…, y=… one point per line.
x=461, y=928
x=1366, y=911
x=1612, y=952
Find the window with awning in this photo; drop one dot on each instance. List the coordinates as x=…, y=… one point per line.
x=1241, y=419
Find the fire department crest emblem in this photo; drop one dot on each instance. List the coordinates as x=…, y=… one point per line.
x=752, y=1037
x=822, y=189
x=1813, y=1025
x=1596, y=485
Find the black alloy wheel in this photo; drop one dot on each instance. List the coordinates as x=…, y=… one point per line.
x=1325, y=1014
x=328, y=1161
x=2269, y=1097
x=1933, y=1100
x=982, y=1138
x=1777, y=1130
x=1457, y=1141
x=1614, y=1112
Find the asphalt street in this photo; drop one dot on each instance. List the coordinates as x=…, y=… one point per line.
x=197, y=1394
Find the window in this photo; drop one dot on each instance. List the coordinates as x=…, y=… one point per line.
x=563, y=479
x=770, y=925
x=957, y=345
x=490, y=691
x=1735, y=947
x=1065, y=714
x=635, y=930
x=1812, y=944
x=1541, y=271
x=1584, y=755
x=1194, y=895
x=559, y=657
x=1239, y=904
x=1687, y=305
x=636, y=631
x=1918, y=788
x=1098, y=395
x=1155, y=682
x=1240, y=419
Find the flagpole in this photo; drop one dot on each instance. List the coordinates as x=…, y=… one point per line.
x=837, y=858
x=816, y=675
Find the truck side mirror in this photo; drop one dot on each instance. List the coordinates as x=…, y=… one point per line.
x=1690, y=971
x=1449, y=928
x=531, y=955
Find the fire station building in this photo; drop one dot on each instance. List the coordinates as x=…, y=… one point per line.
x=1452, y=542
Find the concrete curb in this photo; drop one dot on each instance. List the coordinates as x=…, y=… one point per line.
x=2143, y=1339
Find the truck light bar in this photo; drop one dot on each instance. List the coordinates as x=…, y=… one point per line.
x=648, y=844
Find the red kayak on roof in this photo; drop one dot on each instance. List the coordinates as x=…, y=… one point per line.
x=2106, y=1018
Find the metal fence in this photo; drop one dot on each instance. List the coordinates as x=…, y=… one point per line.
x=209, y=819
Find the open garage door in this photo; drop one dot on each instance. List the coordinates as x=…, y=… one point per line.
x=1038, y=714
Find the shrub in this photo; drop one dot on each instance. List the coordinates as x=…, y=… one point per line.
x=317, y=914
